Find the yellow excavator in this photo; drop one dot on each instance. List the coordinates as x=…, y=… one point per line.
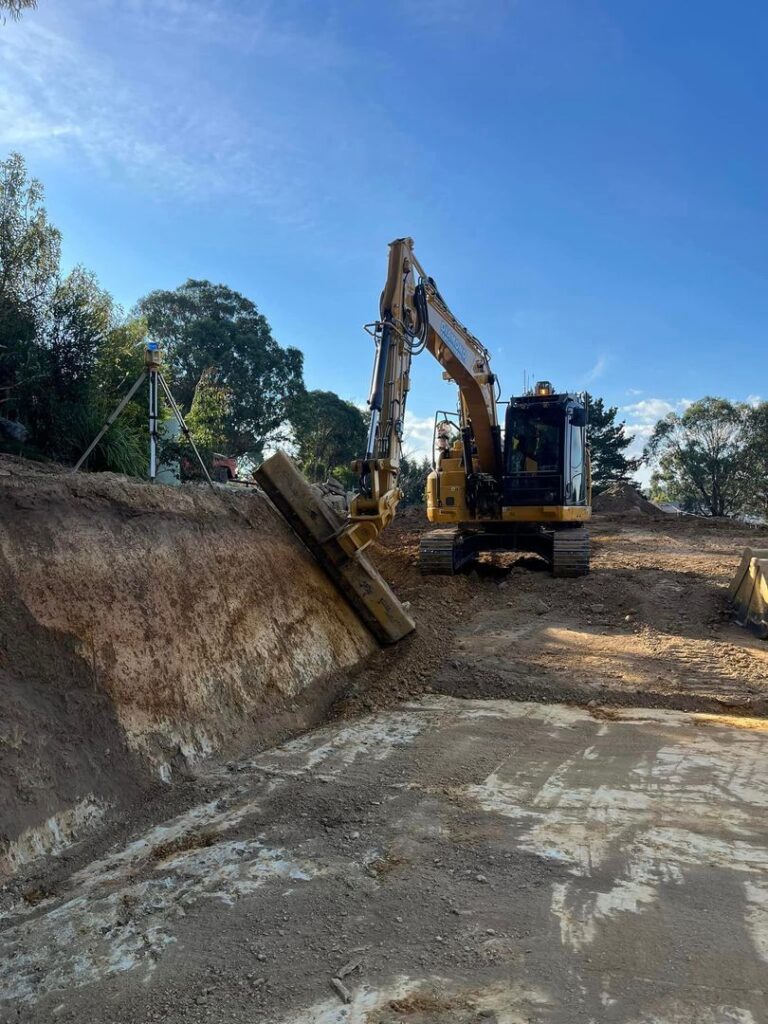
x=526, y=490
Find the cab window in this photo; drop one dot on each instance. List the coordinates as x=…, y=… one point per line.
x=534, y=440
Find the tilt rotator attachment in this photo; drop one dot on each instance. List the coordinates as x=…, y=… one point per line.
x=367, y=593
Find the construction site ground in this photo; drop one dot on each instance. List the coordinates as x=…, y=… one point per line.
x=548, y=806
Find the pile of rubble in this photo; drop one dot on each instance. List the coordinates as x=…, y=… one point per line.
x=624, y=499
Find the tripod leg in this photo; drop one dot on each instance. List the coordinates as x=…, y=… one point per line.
x=110, y=420
x=183, y=425
x=153, y=413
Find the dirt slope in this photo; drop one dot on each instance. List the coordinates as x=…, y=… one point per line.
x=648, y=626
x=142, y=628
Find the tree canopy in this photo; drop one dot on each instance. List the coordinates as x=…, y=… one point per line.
x=54, y=332
x=209, y=414
x=29, y=266
x=206, y=328
x=328, y=433
x=15, y=7
x=755, y=461
x=412, y=479
x=699, y=456
x=608, y=442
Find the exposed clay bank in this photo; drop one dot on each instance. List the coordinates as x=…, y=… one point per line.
x=142, y=628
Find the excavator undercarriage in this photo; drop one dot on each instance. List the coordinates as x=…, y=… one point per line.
x=445, y=551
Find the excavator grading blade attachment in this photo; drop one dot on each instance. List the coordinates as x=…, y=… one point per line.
x=748, y=593
x=317, y=526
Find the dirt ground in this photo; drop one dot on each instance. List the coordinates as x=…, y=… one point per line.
x=648, y=628
x=445, y=861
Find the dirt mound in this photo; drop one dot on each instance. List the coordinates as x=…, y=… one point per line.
x=141, y=628
x=623, y=499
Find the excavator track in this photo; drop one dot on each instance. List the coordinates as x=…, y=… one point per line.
x=570, y=552
x=439, y=552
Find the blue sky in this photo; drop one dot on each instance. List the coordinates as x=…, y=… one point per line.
x=585, y=180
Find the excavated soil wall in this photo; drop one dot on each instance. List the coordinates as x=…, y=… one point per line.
x=142, y=628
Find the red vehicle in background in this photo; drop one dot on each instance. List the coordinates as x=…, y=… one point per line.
x=224, y=468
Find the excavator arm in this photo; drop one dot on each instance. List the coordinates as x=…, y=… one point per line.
x=413, y=317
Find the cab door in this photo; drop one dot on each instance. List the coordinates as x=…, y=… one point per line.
x=576, y=477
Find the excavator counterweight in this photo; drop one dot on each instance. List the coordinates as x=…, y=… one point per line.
x=319, y=528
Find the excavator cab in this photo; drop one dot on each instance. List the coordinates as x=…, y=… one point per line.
x=545, y=451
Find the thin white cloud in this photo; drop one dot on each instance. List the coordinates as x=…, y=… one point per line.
x=650, y=410
x=634, y=392
x=168, y=134
x=188, y=17
x=641, y=418
x=418, y=436
x=447, y=15
x=640, y=434
x=641, y=430
x=253, y=29
x=595, y=372
x=22, y=126
x=76, y=99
